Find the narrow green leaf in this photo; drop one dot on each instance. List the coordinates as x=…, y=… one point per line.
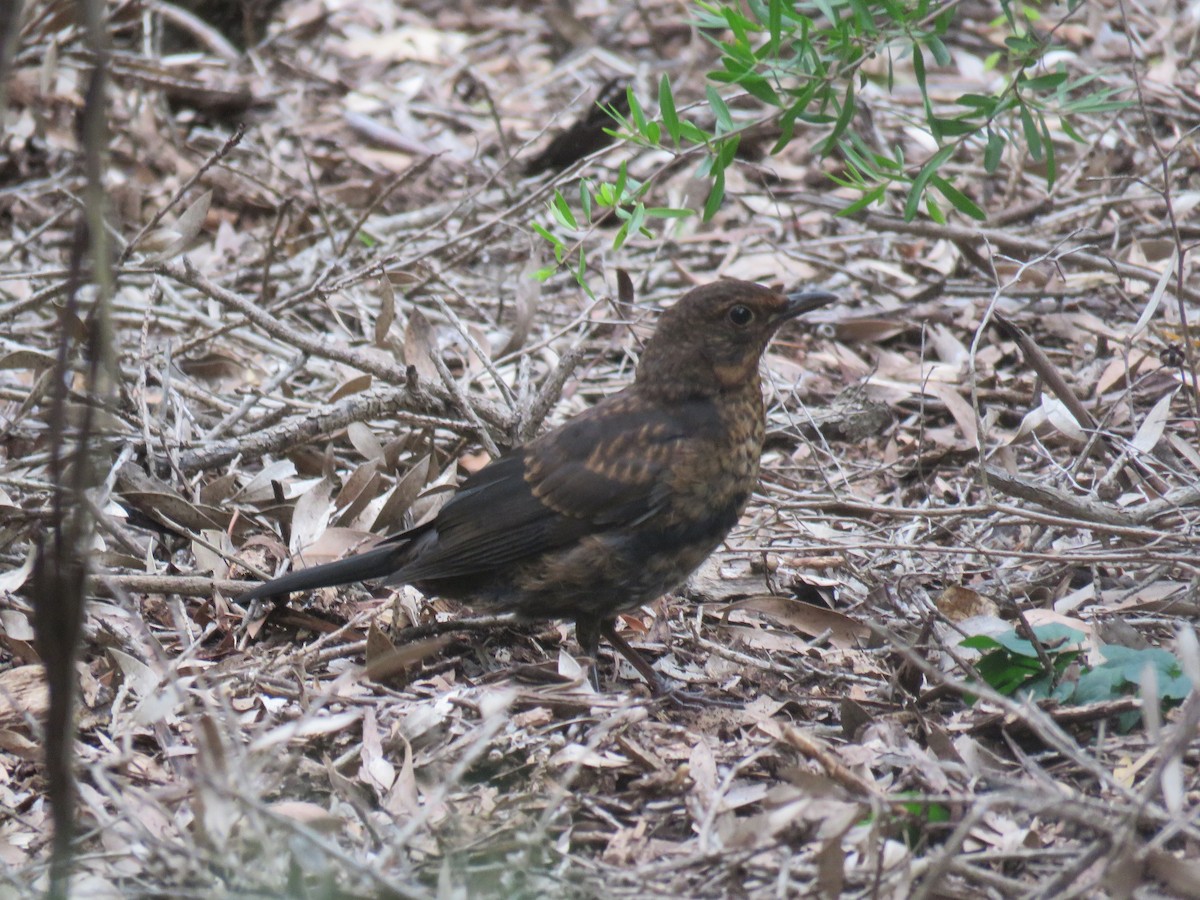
x=957, y=198
x=728, y=151
x=619, y=237
x=1033, y=137
x=635, y=110
x=994, y=151
x=986, y=105
x=619, y=187
x=934, y=210
x=555, y=242
x=774, y=27
x=1069, y=130
x=562, y=211
x=669, y=212
x=872, y=196
x=720, y=110
x=919, y=70
x=585, y=199
x=759, y=87
x=552, y=239
x=1044, y=82
x=954, y=127
x=581, y=277
x=637, y=219
x=940, y=54
x=715, y=196
x=845, y=115
x=544, y=273
x=918, y=61
x=1048, y=145
x=913, y=203
x=787, y=130
x=666, y=106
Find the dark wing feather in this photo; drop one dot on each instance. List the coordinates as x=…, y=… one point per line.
x=608, y=466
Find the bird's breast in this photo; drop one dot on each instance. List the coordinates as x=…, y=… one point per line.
x=718, y=479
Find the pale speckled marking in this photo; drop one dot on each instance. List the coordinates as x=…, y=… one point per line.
x=731, y=461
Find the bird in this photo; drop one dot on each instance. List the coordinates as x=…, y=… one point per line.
x=619, y=504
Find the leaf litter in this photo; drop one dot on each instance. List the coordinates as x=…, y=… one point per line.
x=318, y=337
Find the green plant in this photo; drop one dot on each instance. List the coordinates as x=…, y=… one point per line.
x=1011, y=665
x=804, y=64
x=621, y=198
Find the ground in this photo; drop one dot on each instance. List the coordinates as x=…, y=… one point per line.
x=325, y=314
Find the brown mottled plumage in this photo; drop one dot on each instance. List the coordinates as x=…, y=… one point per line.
x=618, y=505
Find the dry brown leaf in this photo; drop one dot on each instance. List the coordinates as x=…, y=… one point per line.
x=24, y=697
x=809, y=619
x=309, y=814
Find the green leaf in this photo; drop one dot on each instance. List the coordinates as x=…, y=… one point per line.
x=635, y=110
x=760, y=88
x=912, y=204
x=1069, y=130
x=636, y=220
x=1048, y=144
x=552, y=239
x=1033, y=137
x=872, y=196
x=669, y=212
x=984, y=104
x=619, y=187
x=957, y=198
x=774, y=27
x=845, y=115
x=1101, y=683
x=952, y=127
x=562, y=211
x=934, y=210
x=728, y=151
x=585, y=199
x=544, y=273
x=693, y=134
x=666, y=106
x=1044, y=82
x=1005, y=672
x=715, y=195
x=918, y=59
x=1054, y=638
x=720, y=110
x=994, y=151
x=940, y=54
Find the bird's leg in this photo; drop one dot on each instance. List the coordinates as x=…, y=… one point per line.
x=587, y=632
x=659, y=686
x=608, y=628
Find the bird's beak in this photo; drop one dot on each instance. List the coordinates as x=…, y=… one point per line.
x=806, y=301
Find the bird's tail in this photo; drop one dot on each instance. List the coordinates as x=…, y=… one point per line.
x=377, y=563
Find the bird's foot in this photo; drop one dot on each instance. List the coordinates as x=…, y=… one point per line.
x=681, y=698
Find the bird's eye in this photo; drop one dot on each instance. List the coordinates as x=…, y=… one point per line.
x=741, y=316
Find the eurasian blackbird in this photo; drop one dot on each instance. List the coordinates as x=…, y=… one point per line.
x=618, y=505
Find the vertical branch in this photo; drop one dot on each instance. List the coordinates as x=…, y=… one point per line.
x=10, y=30
x=85, y=346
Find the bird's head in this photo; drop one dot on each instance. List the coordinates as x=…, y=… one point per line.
x=712, y=339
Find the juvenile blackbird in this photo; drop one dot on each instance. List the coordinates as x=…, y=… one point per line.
x=618, y=505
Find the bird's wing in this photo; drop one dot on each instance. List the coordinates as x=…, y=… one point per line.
x=607, y=467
